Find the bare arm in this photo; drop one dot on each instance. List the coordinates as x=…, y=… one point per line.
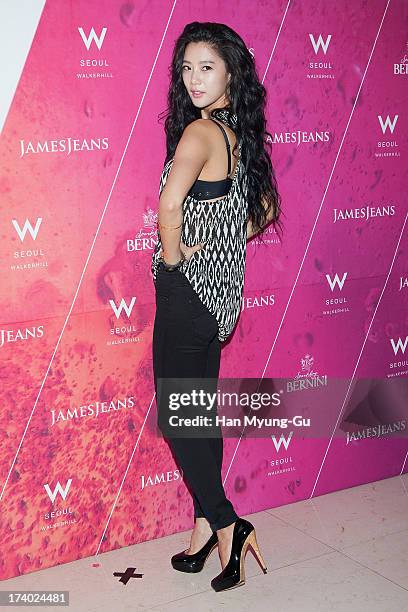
x=190, y=156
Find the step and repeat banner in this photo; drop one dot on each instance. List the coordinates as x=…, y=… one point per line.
x=82, y=467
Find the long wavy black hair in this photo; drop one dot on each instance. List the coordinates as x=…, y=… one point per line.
x=247, y=97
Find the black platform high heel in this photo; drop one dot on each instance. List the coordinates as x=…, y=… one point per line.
x=233, y=574
x=195, y=562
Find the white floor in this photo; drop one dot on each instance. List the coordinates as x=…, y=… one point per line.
x=342, y=551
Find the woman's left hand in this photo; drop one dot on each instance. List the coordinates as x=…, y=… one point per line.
x=184, y=250
x=189, y=251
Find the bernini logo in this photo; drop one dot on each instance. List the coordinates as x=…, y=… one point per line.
x=307, y=365
x=401, y=67
x=146, y=238
x=150, y=219
x=307, y=378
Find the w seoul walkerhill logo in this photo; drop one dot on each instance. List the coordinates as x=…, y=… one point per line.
x=338, y=302
x=388, y=146
x=99, y=66
x=269, y=237
x=399, y=346
x=321, y=66
x=58, y=516
x=280, y=465
x=64, y=145
x=92, y=37
x=58, y=490
x=33, y=256
x=128, y=330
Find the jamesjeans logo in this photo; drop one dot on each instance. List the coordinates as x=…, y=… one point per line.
x=67, y=145
x=157, y=479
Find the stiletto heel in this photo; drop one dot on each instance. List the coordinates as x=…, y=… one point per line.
x=233, y=574
x=183, y=562
x=252, y=541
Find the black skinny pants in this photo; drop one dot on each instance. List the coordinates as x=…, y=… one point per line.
x=186, y=345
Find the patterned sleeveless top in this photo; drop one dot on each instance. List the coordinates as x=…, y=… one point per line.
x=217, y=271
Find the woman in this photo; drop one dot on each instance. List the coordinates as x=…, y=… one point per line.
x=217, y=190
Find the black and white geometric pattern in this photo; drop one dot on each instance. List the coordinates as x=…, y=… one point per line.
x=217, y=271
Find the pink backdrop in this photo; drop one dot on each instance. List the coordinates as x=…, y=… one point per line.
x=82, y=152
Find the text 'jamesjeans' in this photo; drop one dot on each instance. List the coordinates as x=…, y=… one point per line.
x=186, y=345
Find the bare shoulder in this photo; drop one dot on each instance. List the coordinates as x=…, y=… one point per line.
x=200, y=132
x=195, y=137
x=198, y=127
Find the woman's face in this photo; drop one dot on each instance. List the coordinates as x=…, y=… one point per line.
x=205, y=71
